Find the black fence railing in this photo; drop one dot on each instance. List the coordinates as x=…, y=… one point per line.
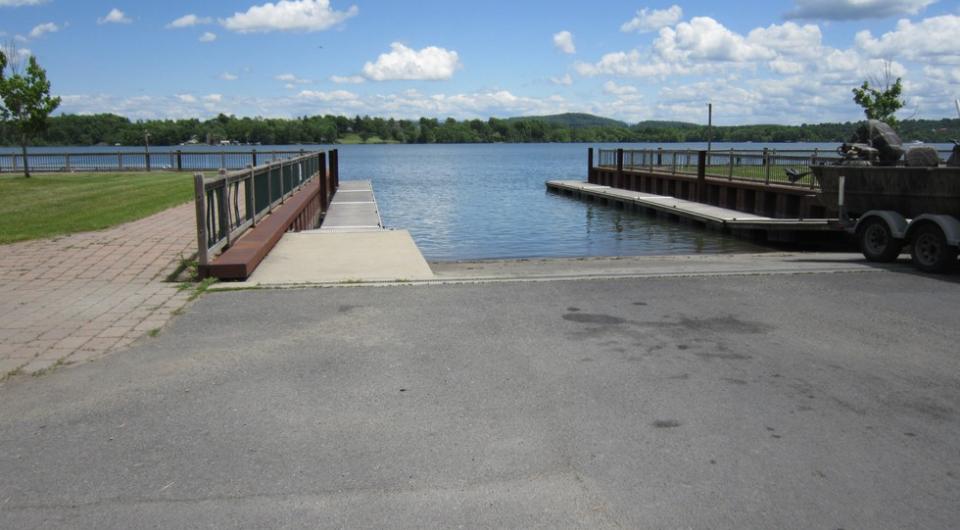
x=134, y=161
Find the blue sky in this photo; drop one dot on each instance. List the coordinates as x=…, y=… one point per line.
x=784, y=61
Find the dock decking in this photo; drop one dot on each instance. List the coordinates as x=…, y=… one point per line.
x=708, y=214
x=353, y=209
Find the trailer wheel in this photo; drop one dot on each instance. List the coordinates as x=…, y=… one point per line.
x=877, y=242
x=930, y=251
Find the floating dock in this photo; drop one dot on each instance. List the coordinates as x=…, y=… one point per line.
x=353, y=209
x=716, y=216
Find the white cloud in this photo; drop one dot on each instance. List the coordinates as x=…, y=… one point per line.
x=565, y=80
x=931, y=39
x=288, y=15
x=227, y=76
x=403, y=63
x=632, y=64
x=187, y=98
x=619, y=90
x=213, y=98
x=652, y=20
x=18, y=3
x=856, y=9
x=189, y=20
x=789, y=39
x=348, y=80
x=208, y=37
x=563, y=41
x=336, y=95
x=115, y=16
x=292, y=79
x=703, y=38
x=39, y=31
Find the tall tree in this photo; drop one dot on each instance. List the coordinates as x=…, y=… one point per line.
x=881, y=100
x=26, y=100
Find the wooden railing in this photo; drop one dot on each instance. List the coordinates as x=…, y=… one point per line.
x=235, y=201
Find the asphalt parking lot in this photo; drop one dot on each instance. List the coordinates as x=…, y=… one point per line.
x=821, y=400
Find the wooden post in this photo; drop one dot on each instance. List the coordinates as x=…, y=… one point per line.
x=199, y=198
x=270, y=185
x=766, y=165
x=334, y=170
x=324, y=182
x=223, y=206
x=252, y=194
x=119, y=161
x=254, y=157
x=67, y=162
x=701, y=176
x=590, y=165
x=618, y=183
x=659, y=156
x=730, y=175
x=179, y=160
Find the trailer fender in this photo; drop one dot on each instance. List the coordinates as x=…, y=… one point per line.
x=948, y=223
x=896, y=222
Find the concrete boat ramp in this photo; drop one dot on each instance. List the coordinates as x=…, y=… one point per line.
x=350, y=246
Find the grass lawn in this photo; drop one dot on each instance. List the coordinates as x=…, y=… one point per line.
x=47, y=204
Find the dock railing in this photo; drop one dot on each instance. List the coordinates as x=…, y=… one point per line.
x=235, y=201
x=767, y=166
x=178, y=160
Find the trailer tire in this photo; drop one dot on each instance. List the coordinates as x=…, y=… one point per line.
x=877, y=242
x=930, y=251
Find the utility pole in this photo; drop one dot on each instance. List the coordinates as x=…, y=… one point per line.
x=709, y=126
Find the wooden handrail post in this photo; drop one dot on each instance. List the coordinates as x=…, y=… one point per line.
x=252, y=195
x=702, y=176
x=179, y=160
x=324, y=182
x=590, y=178
x=253, y=156
x=199, y=198
x=619, y=181
x=335, y=170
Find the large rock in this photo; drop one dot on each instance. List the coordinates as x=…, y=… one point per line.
x=922, y=157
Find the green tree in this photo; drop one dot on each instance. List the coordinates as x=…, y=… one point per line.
x=880, y=104
x=26, y=101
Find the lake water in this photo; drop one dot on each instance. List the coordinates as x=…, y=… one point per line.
x=489, y=201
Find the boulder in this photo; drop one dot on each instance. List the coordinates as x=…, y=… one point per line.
x=922, y=157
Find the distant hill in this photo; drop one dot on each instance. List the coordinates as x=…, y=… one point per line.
x=655, y=124
x=574, y=120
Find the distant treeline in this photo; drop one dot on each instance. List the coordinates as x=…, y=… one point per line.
x=109, y=129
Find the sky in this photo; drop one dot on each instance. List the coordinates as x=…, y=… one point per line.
x=773, y=61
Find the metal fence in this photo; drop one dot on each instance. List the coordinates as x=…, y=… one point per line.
x=133, y=161
x=233, y=201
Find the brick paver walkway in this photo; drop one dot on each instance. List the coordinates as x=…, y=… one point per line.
x=74, y=298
